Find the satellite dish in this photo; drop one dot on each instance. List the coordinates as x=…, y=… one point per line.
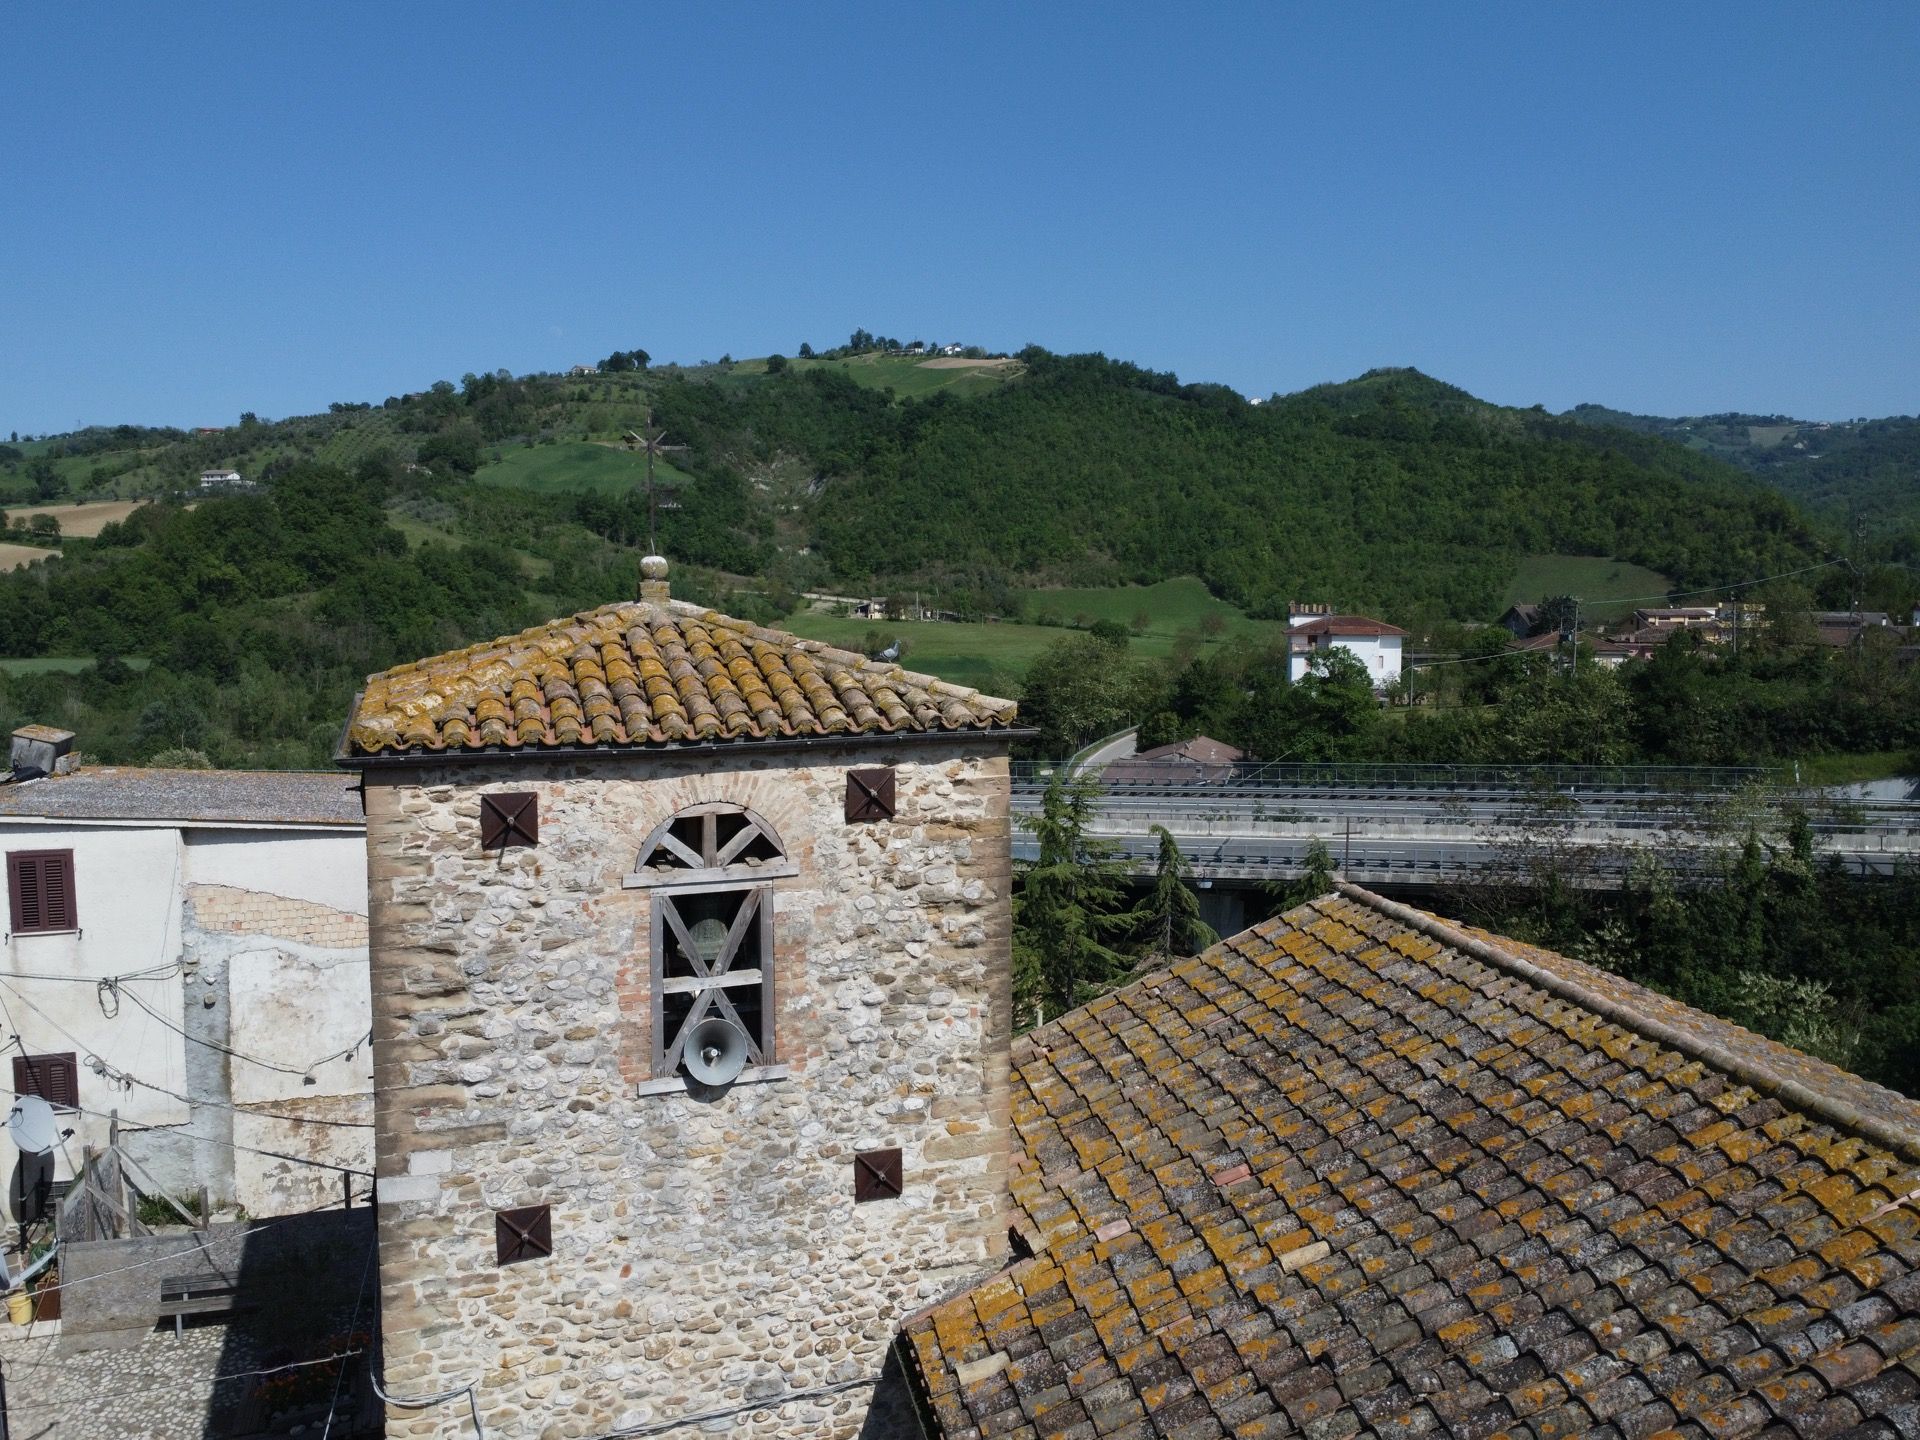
x=32, y=1125
x=716, y=1052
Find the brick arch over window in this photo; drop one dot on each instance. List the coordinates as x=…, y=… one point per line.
x=717, y=839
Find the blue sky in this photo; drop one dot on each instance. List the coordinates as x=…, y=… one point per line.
x=206, y=209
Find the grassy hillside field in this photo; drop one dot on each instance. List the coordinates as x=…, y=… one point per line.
x=1168, y=608
x=990, y=654
x=1607, y=589
x=573, y=466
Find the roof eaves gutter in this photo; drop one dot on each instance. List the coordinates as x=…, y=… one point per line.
x=751, y=746
x=174, y=822
x=1742, y=1067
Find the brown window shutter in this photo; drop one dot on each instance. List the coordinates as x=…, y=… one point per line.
x=870, y=795
x=54, y=1078
x=23, y=894
x=63, y=910
x=40, y=891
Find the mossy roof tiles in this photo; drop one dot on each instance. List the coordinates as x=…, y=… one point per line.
x=1343, y=1176
x=643, y=673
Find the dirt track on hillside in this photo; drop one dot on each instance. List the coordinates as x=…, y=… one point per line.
x=955, y=362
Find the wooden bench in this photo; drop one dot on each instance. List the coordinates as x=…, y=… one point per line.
x=184, y=1295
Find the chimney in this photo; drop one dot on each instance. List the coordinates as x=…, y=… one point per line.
x=653, y=579
x=41, y=750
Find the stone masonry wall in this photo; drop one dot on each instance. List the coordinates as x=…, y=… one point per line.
x=710, y=1264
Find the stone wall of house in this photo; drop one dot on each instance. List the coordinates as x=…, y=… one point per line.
x=282, y=979
x=710, y=1264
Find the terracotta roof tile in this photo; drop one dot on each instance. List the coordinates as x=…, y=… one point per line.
x=650, y=673
x=1355, y=1170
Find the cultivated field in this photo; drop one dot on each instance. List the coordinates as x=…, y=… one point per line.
x=958, y=362
x=87, y=519
x=12, y=557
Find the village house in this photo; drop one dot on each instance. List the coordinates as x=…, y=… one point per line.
x=1609, y=651
x=1520, y=620
x=691, y=986
x=1374, y=643
x=221, y=477
x=187, y=950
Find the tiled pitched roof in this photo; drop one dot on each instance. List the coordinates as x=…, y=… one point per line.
x=1356, y=1173
x=210, y=798
x=646, y=673
x=1345, y=625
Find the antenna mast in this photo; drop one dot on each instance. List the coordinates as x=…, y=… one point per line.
x=650, y=441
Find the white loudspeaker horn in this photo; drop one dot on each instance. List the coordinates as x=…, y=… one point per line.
x=716, y=1052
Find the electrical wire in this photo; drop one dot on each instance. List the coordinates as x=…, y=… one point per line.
x=252, y=1227
x=212, y=1380
x=140, y=1128
x=102, y=1067
x=661, y=1427
x=171, y=968
x=1709, y=589
x=303, y=1073
x=423, y=1402
x=359, y=1298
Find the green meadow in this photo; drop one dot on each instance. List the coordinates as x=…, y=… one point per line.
x=572, y=466
x=1607, y=589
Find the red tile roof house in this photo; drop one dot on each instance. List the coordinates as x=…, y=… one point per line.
x=1374, y=643
x=1353, y=1172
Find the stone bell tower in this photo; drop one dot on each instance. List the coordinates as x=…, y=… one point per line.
x=690, y=960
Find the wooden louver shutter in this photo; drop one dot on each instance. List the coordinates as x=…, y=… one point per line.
x=40, y=891
x=54, y=1078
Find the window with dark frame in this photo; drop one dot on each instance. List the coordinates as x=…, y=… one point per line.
x=54, y=1078
x=40, y=898
x=711, y=869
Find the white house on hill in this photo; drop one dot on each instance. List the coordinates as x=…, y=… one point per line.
x=1374, y=643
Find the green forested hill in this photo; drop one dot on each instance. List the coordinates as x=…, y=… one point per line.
x=1092, y=470
x=1848, y=472
x=382, y=533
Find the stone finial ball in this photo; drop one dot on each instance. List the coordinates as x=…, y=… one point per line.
x=653, y=567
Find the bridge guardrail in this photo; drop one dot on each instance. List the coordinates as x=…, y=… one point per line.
x=1347, y=775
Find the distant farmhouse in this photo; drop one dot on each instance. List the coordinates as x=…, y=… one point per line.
x=224, y=478
x=1374, y=643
